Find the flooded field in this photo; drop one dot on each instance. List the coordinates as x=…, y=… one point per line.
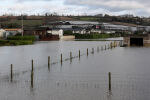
x=84, y=78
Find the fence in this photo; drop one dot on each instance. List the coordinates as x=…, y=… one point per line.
x=80, y=54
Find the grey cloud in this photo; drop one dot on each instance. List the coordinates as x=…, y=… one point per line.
x=139, y=7
x=112, y=5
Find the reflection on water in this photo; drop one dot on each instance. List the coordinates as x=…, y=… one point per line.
x=81, y=78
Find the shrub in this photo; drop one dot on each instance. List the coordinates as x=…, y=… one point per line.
x=21, y=38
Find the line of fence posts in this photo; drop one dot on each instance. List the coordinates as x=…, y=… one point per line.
x=32, y=64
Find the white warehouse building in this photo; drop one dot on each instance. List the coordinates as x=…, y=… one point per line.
x=59, y=32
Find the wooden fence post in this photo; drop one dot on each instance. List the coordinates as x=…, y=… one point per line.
x=32, y=66
x=98, y=49
x=70, y=56
x=92, y=50
x=32, y=73
x=79, y=54
x=61, y=58
x=32, y=79
x=87, y=51
x=48, y=62
x=11, y=72
x=109, y=75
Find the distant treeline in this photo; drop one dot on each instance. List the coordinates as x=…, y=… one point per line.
x=95, y=36
x=15, y=21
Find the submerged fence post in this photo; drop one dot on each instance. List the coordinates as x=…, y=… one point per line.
x=92, y=50
x=48, y=62
x=32, y=66
x=70, y=56
x=109, y=75
x=32, y=79
x=98, y=49
x=32, y=74
x=11, y=72
x=61, y=58
x=114, y=44
x=87, y=51
x=79, y=54
x=111, y=44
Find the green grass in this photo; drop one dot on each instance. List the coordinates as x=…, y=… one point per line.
x=15, y=42
x=89, y=19
x=32, y=38
x=26, y=22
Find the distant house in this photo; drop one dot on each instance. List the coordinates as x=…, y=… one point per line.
x=87, y=31
x=96, y=31
x=81, y=31
x=44, y=33
x=58, y=32
x=40, y=33
x=2, y=33
x=11, y=32
x=109, y=32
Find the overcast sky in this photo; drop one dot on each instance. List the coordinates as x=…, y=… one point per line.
x=76, y=7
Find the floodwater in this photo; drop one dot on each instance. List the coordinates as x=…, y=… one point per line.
x=84, y=78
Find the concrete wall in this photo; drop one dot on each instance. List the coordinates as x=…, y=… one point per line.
x=146, y=40
x=69, y=37
x=2, y=32
x=126, y=41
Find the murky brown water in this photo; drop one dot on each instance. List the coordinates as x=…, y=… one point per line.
x=84, y=79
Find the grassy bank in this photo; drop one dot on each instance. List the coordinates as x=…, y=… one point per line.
x=31, y=38
x=17, y=40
